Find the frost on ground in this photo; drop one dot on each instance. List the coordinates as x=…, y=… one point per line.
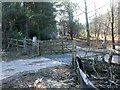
x=51, y=77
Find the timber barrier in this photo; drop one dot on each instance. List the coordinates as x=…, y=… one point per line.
x=39, y=47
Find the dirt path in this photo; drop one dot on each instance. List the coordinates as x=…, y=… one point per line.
x=52, y=77
x=33, y=64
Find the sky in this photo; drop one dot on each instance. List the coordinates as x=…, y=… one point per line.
x=102, y=7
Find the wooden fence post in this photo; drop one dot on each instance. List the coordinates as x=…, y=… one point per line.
x=51, y=43
x=62, y=47
x=38, y=47
x=110, y=58
x=74, y=54
x=17, y=44
x=24, y=45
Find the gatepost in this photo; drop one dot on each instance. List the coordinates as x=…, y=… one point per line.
x=24, y=45
x=34, y=46
x=74, y=54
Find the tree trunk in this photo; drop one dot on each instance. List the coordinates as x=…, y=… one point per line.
x=4, y=35
x=26, y=21
x=71, y=30
x=70, y=21
x=104, y=41
x=98, y=31
x=87, y=24
x=95, y=21
x=64, y=30
x=21, y=27
x=38, y=28
x=119, y=22
x=0, y=28
x=26, y=29
x=112, y=26
x=71, y=35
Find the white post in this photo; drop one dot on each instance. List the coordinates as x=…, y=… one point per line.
x=34, y=46
x=34, y=41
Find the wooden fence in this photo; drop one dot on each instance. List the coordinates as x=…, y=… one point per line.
x=62, y=46
x=43, y=47
x=19, y=43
